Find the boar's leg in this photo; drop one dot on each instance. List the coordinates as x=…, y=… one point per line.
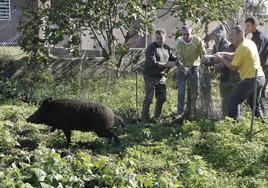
x=67, y=134
x=113, y=136
x=108, y=133
x=116, y=139
x=110, y=140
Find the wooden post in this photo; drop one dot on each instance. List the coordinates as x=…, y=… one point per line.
x=254, y=107
x=136, y=74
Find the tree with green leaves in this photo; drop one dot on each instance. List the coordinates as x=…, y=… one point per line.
x=101, y=18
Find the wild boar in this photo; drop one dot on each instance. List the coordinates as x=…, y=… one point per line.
x=69, y=114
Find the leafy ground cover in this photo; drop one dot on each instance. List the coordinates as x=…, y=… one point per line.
x=202, y=153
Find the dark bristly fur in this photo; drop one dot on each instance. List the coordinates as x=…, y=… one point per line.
x=69, y=114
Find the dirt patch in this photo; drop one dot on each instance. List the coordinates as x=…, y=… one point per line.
x=91, y=183
x=13, y=118
x=25, y=133
x=28, y=144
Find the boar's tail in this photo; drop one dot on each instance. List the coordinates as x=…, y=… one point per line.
x=121, y=121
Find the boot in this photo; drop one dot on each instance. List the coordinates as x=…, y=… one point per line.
x=158, y=109
x=145, y=112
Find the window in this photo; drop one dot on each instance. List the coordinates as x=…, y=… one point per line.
x=5, y=10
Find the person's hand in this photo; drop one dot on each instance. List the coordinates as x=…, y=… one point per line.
x=170, y=64
x=220, y=53
x=182, y=68
x=204, y=61
x=218, y=56
x=179, y=63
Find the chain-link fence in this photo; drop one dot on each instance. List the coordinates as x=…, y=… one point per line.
x=91, y=63
x=9, y=33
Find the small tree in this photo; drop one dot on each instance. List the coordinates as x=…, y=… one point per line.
x=70, y=18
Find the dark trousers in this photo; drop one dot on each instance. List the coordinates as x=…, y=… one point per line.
x=154, y=87
x=225, y=90
x=245, y=91
x=263, y=94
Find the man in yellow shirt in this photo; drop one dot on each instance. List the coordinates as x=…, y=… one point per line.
x=246, y=60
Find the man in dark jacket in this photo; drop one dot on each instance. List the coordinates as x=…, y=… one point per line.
x=228, y=78
x=158, y=58
x=261, y=41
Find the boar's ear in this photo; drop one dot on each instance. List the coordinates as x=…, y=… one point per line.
x=47, y=100
x=47, y=103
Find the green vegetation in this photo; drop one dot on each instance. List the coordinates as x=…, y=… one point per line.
x=14, y=52
x=201, y=154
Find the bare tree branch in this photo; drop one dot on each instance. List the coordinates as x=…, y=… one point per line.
x=98, y=40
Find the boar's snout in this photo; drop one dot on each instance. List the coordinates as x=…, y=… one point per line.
x=30, y=119
x=36, y=118
x=41, y=114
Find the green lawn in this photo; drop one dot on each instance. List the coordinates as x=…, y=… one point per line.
x=14, y=52
x=202, y=153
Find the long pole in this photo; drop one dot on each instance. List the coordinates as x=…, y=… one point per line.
x=254, y=106
x=136, y=74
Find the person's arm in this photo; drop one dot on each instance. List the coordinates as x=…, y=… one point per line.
x=261, y=44
x=259, y=40
x=179, y=54
x=172, y=60
x=227, y=55
x=179, y=51
x=226, y=62
x=172, y=56
x=151, y=59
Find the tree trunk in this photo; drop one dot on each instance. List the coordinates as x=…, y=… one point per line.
x=205, y=87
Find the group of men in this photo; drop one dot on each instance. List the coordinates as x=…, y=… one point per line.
x=240, y=61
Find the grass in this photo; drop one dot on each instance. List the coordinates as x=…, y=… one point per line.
x=12, y=51
x=202, y=153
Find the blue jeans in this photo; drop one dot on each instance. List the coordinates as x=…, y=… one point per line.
x=245, y=91
x=191, y=77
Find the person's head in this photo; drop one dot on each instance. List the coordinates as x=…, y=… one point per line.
x=218, y=34
x=160, y=37
x=186, y=33
x=236, y=35
x=251, y=24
